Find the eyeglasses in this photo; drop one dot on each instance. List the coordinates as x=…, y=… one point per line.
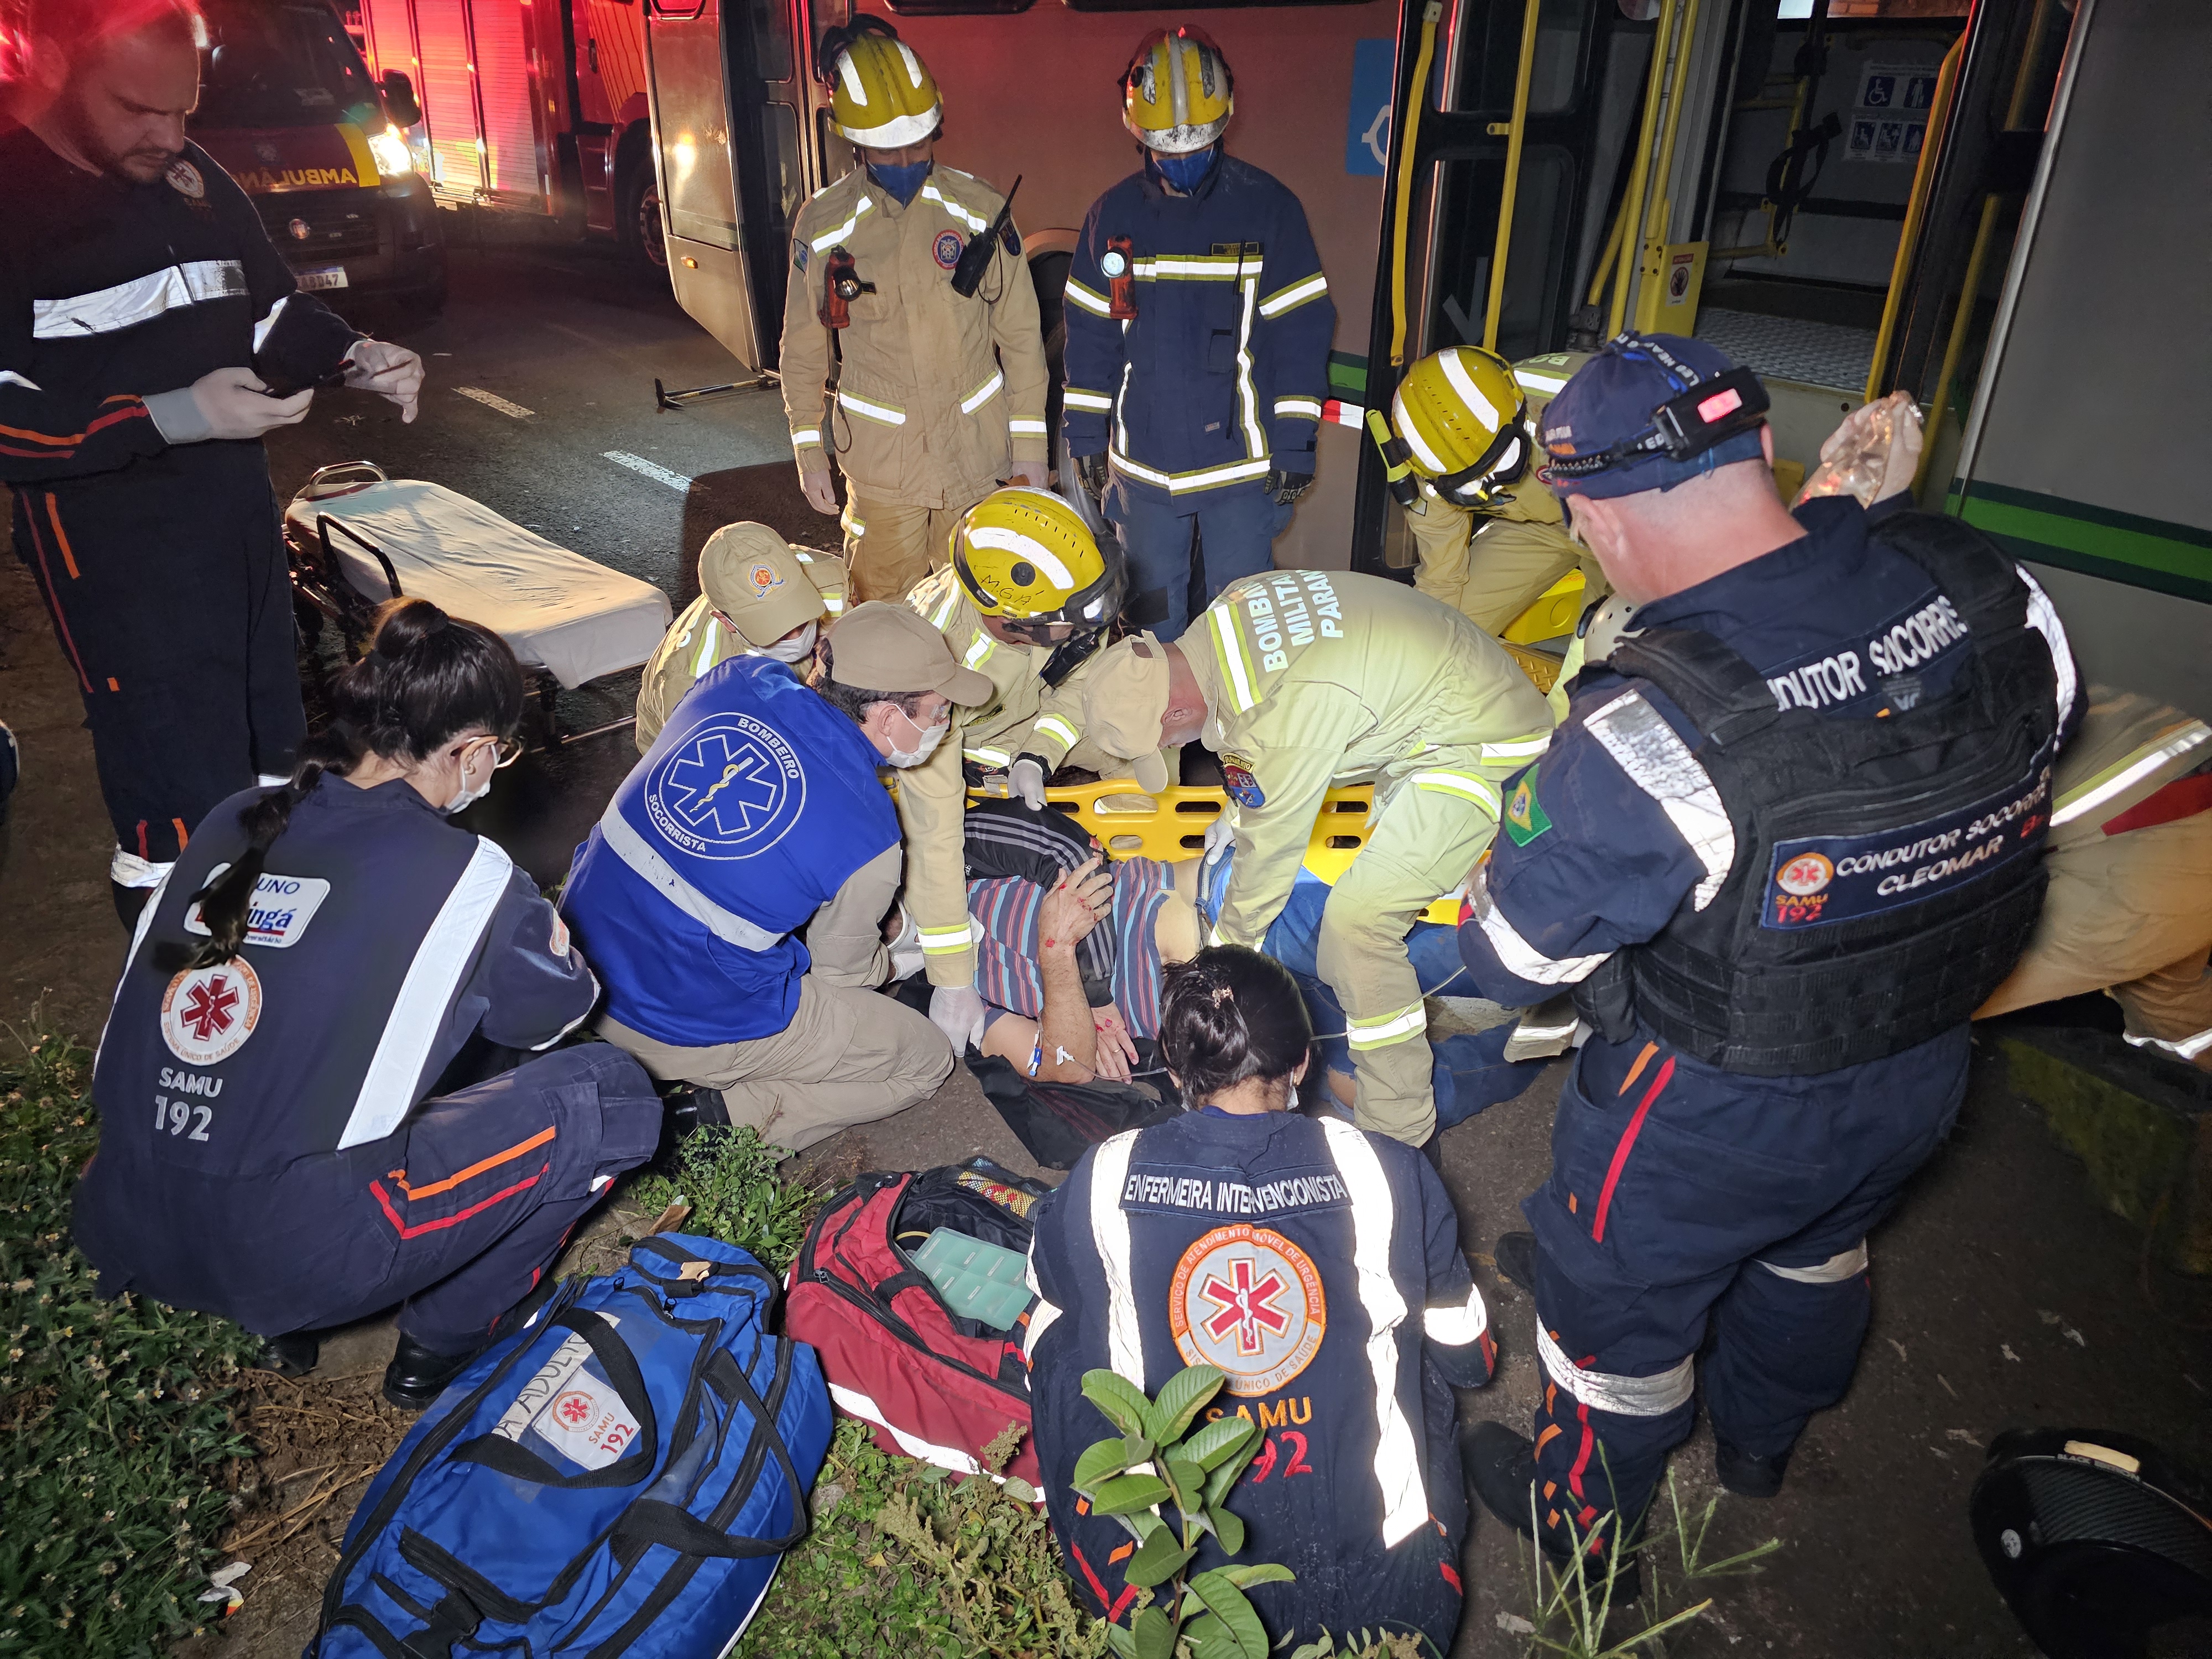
x=508, y=750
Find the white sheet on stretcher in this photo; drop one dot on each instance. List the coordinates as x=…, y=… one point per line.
x=558, y=609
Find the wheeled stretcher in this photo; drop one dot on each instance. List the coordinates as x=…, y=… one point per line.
x=357, y=539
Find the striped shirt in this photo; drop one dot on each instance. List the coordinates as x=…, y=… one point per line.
x=1007, y=970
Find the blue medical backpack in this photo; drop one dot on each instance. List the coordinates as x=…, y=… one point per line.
x=618, y=1476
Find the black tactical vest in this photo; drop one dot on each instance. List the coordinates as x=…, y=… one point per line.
x=1887, y=872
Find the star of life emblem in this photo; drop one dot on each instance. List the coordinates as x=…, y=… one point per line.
x=731, y=789
x=207, y=1014
x=1247, y=1299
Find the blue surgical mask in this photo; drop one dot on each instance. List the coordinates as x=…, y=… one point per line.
x=901, y=182
x=1188, y=173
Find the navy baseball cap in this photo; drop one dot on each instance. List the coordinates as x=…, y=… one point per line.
x=1614, y=401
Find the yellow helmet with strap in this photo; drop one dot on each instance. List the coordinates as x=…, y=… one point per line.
x=1462, y=418
x=1026, y=558
x=881, y=96
x=1177, y=93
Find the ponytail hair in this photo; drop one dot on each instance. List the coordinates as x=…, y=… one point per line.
x=425, y=678
x=1229, y=1014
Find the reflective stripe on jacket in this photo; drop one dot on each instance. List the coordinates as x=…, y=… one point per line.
x=934, y=396
x=1225, y=364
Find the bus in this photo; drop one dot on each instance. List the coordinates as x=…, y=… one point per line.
x=1851, y=196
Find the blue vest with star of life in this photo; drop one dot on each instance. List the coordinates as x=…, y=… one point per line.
x=755, y=805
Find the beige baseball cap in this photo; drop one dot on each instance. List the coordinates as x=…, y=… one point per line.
x=885, y=647
x=1125, y=696
x=760, y=582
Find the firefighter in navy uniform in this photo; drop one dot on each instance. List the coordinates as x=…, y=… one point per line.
x=1198, y=330
x=1319, y=1266
x=1786, y=841
x=145, y=325
x=296, y=1127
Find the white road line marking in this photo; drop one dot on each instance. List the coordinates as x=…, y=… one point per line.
x=651, y=470
x=493, y=400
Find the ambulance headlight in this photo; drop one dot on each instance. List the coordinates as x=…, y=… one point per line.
x=389, y=150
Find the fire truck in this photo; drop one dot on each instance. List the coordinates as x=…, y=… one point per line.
x=530, y=106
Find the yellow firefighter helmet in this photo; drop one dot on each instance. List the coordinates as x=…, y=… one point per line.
x=1462, y=418
x=1178, y=91
x=882, y=96
x=1026, y=556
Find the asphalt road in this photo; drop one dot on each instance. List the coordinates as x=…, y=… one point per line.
x=541, y=368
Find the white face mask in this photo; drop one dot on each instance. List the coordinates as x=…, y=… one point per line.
x=930, y=736
x=467, y=797
x=796, y=650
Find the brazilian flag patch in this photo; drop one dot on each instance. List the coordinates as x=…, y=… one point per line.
x=1524, y=813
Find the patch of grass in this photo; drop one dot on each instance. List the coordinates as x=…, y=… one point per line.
x=905, y=1562
x=728, y=1177
x=114, y=1422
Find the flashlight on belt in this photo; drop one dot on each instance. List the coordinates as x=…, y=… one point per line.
x=1119, y=266
x=840, y=286
x=1397, y=464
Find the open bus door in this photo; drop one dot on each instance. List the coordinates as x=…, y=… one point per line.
x=1810, y=184
x=727, y=91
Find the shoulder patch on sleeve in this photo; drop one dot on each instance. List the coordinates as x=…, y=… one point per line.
x=1237, y=779
x=1524, y=813
x=799, y=252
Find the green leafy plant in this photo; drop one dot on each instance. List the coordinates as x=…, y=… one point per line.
x=904, y=1560
x=1368, y=1644
x=1160, y=1459
x=728, y=1177
x=115, y=1429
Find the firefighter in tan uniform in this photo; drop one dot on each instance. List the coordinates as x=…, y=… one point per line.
x=937, y=397
x=759, y=596
x=1491, y=537
x=1024, y=602
x=2129, y=910
x=1302, y=679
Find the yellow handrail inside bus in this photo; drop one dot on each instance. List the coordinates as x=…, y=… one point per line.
x=1602, y=272
x=1961, y=320
x=1924, y=185
x=1512, y=174
x=1417, y=95
x=1632, y=233
x=1684, y=37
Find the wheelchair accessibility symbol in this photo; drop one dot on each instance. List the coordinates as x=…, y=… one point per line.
x=732, y=790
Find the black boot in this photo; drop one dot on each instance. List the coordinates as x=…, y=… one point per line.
x=685, y=1112
x=417, y=1375
x=1515, y=1256
x=1501, y=1470
x=1747, y=1476
x=292, y=1354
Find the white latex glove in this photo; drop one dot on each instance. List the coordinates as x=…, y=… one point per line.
x=1032, y=473
x=1219, y=835
x=819, y=489
x=235, y=403
x=907, y=958
x=392, y=372
x=1026, y=778
x=957, y=1010
x=1873, y=455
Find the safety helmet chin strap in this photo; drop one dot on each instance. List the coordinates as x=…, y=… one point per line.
x=1503, y=463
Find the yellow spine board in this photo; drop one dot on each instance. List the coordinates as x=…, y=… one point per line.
x=1170, y=826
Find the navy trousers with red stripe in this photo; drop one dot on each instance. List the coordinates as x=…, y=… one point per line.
x=1673, y=1185
x=454, y=1216
x=171, y=600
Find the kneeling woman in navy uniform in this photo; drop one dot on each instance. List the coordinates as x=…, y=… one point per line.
x=1319, y=1266
x=275, y=1146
